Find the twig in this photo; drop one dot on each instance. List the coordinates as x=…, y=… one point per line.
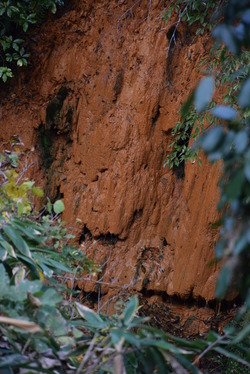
x=87, y=355
x=106, y=351
x=24, y=171
x=29, y=340
x=125, y=13
x=120, y=18
x=174, y=32
x=72, y=286
x=4, y=176
x=211, y=346
x=26, y=345
x=95, y=281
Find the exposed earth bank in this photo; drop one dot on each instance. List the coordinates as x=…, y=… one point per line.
x=95, y=111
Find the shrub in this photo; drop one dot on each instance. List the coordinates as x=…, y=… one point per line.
x=34, y=305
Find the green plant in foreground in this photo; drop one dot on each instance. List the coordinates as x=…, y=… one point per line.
x=33, y=304
x=124, y=342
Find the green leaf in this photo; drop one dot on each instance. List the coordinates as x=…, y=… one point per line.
x=231, y=355
x=21, y=208
x=159, y=360
x=241, y=141
x=20, y=275
x=244, y=96
x=18, y=41
x=15, y=46
x=46, y=270
x=49, y=205
x=212, y=336
x=30, y=263
x=132, y=339
x=93, y=319
x=240, y=245
x=132, y=360
x=52, y=263
x=234, y=188
x=247, y=172
x=219, y=249
x=37, y=191
x=4, y=281
x=58, y=207
x=226, y=34
x=3, y=254
x=20, y=62
x=212, y=139
x=187, y=105
x=28, y=231
x=223, y=281
x=53, y=8
x=17, y=240
x=224, y=112
x=12, y=360
x=7, y=247
x=185, y=362
x=244, y=333
x=51, y=297
x=203, y=93
x=116, y=335
x=25, y=26
x=130, y=310
x=162, y=344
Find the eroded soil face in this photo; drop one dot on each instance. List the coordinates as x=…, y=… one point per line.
x=95, y=111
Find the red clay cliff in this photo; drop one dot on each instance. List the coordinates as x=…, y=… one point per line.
x=95, y=111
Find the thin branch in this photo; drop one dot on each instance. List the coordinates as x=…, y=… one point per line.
x=87, y=355
x=27, y=167
x=211, y=346
x=105, y=352
x=26, y=345
x=125, y=13
x=95, y=281
x=172, y=39
x=72, y=286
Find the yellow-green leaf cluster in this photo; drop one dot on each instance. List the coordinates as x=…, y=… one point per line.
x=16, y=197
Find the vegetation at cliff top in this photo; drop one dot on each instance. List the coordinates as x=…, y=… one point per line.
x=16, y=16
